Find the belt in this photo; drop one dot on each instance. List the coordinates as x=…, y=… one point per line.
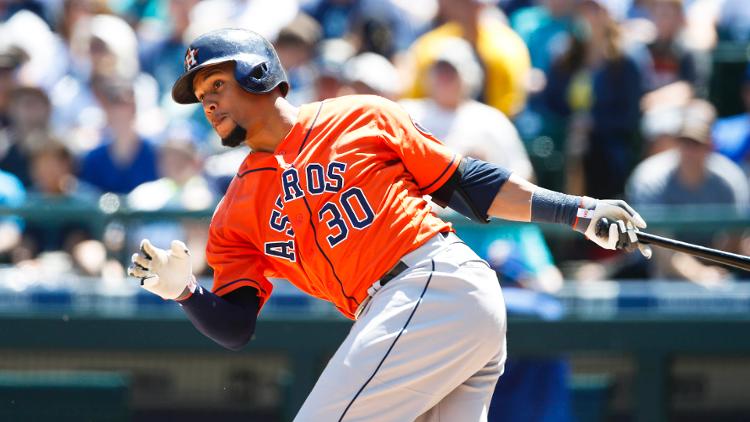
x=397, y=269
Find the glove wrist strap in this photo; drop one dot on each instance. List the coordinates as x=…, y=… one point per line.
x=554, y=207
x=190, y=288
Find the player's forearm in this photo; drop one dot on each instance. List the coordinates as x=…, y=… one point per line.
x=513, y=201
x=229, y=324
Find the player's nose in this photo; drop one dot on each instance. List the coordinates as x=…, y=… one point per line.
x=209, y=107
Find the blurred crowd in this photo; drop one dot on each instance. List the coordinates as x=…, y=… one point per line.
x=647, y=100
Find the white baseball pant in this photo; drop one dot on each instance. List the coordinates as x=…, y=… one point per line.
x=429, y=345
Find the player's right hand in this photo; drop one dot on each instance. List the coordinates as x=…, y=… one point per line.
x=163, y=272
x=611, y=224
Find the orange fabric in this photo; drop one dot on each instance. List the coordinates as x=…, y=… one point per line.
x=334, y=207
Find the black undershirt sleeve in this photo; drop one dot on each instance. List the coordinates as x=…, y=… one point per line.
x=228, y=320
x=471, y=188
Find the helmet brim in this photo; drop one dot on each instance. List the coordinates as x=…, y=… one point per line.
x=183, y=91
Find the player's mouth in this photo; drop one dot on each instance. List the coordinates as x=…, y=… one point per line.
x=216, y=119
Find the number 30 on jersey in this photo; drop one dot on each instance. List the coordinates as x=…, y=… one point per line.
x=350, y=211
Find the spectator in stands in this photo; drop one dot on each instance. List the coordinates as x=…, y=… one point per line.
x=162, y=53
x=74, y=11
x=690, y=174
x=732, y=134
x=183, y=186
x=674, y=73
x=464, y=124
x=124, y=159
x=10, y=59
x=389, y=27
x=372, y=74
x=598, y=87
x=546, y=29
x=12, y=194
x=658, y=126
x=54, y=182
x=265, y=17
x=102, y=47
x=502, y=53
x=734, y=21
x=330, y=62
x=29, y=111
x=45, y=59
x=334, y=16
x=296, y=46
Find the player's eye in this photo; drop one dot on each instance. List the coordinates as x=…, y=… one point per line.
x=218, y=83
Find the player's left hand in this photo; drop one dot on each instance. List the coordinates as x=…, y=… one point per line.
x=612, y=224
x=163, y=272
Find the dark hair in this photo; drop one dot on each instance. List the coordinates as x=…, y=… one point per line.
x=574, y=57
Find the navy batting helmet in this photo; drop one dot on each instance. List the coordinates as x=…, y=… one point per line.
x=257, y=67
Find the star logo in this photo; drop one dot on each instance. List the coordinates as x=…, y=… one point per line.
x=190, y=60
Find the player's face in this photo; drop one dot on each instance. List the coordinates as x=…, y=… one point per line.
x=222, y=98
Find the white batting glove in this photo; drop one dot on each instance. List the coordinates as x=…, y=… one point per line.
x=622, y=220
x=163, y=272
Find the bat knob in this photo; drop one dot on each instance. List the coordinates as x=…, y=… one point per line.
x=602, y=227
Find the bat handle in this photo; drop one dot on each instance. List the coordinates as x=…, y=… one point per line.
x=602, y=227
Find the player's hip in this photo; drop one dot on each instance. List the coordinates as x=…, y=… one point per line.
x=450, y=274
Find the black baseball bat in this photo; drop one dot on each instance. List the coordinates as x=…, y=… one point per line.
x=727, y=258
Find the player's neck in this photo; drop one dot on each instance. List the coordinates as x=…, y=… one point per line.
x=274, y=128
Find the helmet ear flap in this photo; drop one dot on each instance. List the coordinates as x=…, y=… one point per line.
x=252, y=78
x=259, y=72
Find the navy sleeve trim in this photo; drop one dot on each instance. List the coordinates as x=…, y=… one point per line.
x=472, y=188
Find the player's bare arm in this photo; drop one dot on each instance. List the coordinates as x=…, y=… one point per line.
x=480, y=190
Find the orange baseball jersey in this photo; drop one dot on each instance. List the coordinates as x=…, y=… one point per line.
x=334, y=207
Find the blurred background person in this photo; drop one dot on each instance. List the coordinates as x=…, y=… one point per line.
x=102, y=47
x=371, y=74
x=546, y=27
x=29, y=111
x=690, y=175
x=123, y=159
x=597, y=86
x=162, y=45
x=658, y=127
x=11, y=59
x=334, y=16
x=329, y=65
x=265, y=17
x=501, y=52
x=733, y=22
x=53, y=170
x=464, y=124
x=675, y=71
x=12, y=194
x=731, y=134
x=182, y=186
x=296, y=46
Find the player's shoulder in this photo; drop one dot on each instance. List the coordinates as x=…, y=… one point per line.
x=360, y=103
x=353, y=108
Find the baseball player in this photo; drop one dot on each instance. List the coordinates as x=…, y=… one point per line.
x=332, y=199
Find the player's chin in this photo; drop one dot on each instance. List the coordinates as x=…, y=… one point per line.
x=235, y=137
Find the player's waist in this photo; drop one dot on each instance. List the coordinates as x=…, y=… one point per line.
x=412, y=259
